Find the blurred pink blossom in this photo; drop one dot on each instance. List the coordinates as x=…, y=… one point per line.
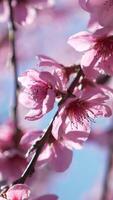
x=57, y=153
x=101, y=11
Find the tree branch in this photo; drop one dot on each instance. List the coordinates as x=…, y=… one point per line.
x=38, y=146
x=12, y=39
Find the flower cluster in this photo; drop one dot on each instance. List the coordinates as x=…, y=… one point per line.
x=97, y=44
x=79, y=103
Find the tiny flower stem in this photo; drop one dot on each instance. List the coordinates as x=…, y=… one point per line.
x=12, y=39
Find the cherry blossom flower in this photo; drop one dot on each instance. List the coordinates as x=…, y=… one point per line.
x=63, y=73
x=17, y=192
x=57, y=153
x=39, y=92
x=101, y=11
x=80, y=110
x=98, y=48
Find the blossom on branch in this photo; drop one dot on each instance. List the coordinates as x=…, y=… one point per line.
x=56, y=153
x=40, y=89
x=63, y=73
x=98, y=48
x=17, y=192
x=78, y=111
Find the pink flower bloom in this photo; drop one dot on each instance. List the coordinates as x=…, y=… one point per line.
x=101, y=11
x=6, y=136
x=62, y=73
x=78, y=112
x=98, y=48
x=57, y=153
x=39, y=93
x=17, y=192
x=12, y=160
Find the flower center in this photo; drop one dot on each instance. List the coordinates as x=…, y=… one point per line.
x=104, y=47
x=39, y=91
x=78, y=111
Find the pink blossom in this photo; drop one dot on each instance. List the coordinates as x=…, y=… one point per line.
x=80, y=110
x=6, y=136
x=39, y=92
x=62, y=73
x=98, y=48
x=23, y=11
x=101, y=11
x=57, y=153
x=17, y=192
x=12, y=160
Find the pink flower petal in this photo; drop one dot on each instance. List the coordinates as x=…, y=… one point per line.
x=34, y=115
x=29, y=137
x=81, y=41
x=61, y=158
x=76, y=139
x=18, y=192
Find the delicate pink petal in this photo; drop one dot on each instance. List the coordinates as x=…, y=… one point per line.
x=45, y=61
x=33, y=115
x=47, y=77
x=48, y=103
x=29, y=137
x=61, y=158
x=76, y=139
x=83, y=4
x=19, y=192
x=26, y=100
x=88, y=62
x=81, y=41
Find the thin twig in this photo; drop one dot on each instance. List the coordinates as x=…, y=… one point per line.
x=12, y=39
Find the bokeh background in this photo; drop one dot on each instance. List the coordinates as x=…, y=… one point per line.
x=48, y=35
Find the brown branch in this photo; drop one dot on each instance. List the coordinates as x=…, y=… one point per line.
x=12, y=39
